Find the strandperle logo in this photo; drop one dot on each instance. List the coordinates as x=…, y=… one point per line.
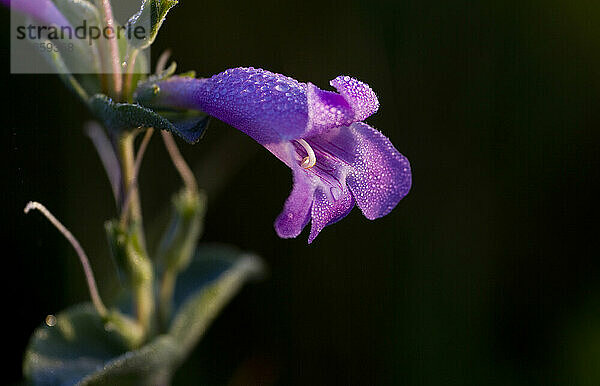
x=80, y=32
x=70, y=37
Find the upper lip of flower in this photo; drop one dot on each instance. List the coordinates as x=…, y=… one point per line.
x=352, y=162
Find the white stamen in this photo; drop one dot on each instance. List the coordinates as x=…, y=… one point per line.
x=309, y=161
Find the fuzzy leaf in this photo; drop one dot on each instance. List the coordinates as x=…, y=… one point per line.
x=205, y=287
x=127, y=116
x=81, y=350
x=153, y=364
x=80, y=55
x=151, y=14
x=75, y=346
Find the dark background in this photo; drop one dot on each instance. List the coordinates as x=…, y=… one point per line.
x=485, y=274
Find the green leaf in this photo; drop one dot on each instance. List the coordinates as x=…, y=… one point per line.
x=76, y=345
x=82, y=349
x=76, y=11
x=151, y=14
x=212, y=279
x=127, y=116
x=80, y=55
x=153, y=364
x=68, y=79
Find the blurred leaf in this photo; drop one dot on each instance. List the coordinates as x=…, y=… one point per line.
x=153, y=364
x=81, y=349
x=80, y=55
x=211, y=280
x=141, y=67
x=107, y=155
x=77, y=345
x=127, y=116
x=56, y=60
x=152, y=13
x=76, y=11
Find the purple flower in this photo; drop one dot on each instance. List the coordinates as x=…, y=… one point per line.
x=336, y=160
x=42, y=10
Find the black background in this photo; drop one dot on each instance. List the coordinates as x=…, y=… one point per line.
x=486, y=273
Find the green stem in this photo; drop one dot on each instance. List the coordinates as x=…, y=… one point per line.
x=165, y=296
x=191, y=228
x=126, y=149
x=179, y=162
x=85, y=262
x=144, y=300
x=132, y=187
x=143, y=276
x=113, y=49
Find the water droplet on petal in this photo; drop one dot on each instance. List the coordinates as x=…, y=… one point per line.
x=281, y=86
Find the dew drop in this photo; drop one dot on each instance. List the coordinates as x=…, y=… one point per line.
x=281, y=86
x=50, y=320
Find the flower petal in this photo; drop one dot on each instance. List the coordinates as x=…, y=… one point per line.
x=319, y=194
x=378, y=175
x=326, y=109
x=359, y=96
x=296, y=210
x=268, y=107
x=329, y=206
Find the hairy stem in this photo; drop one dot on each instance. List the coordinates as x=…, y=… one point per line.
x=132, y=187
x=142, y=280
x=87, y=269
x=165, y=296
x=113, y=47
x=182, y=167
x=169, y=276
